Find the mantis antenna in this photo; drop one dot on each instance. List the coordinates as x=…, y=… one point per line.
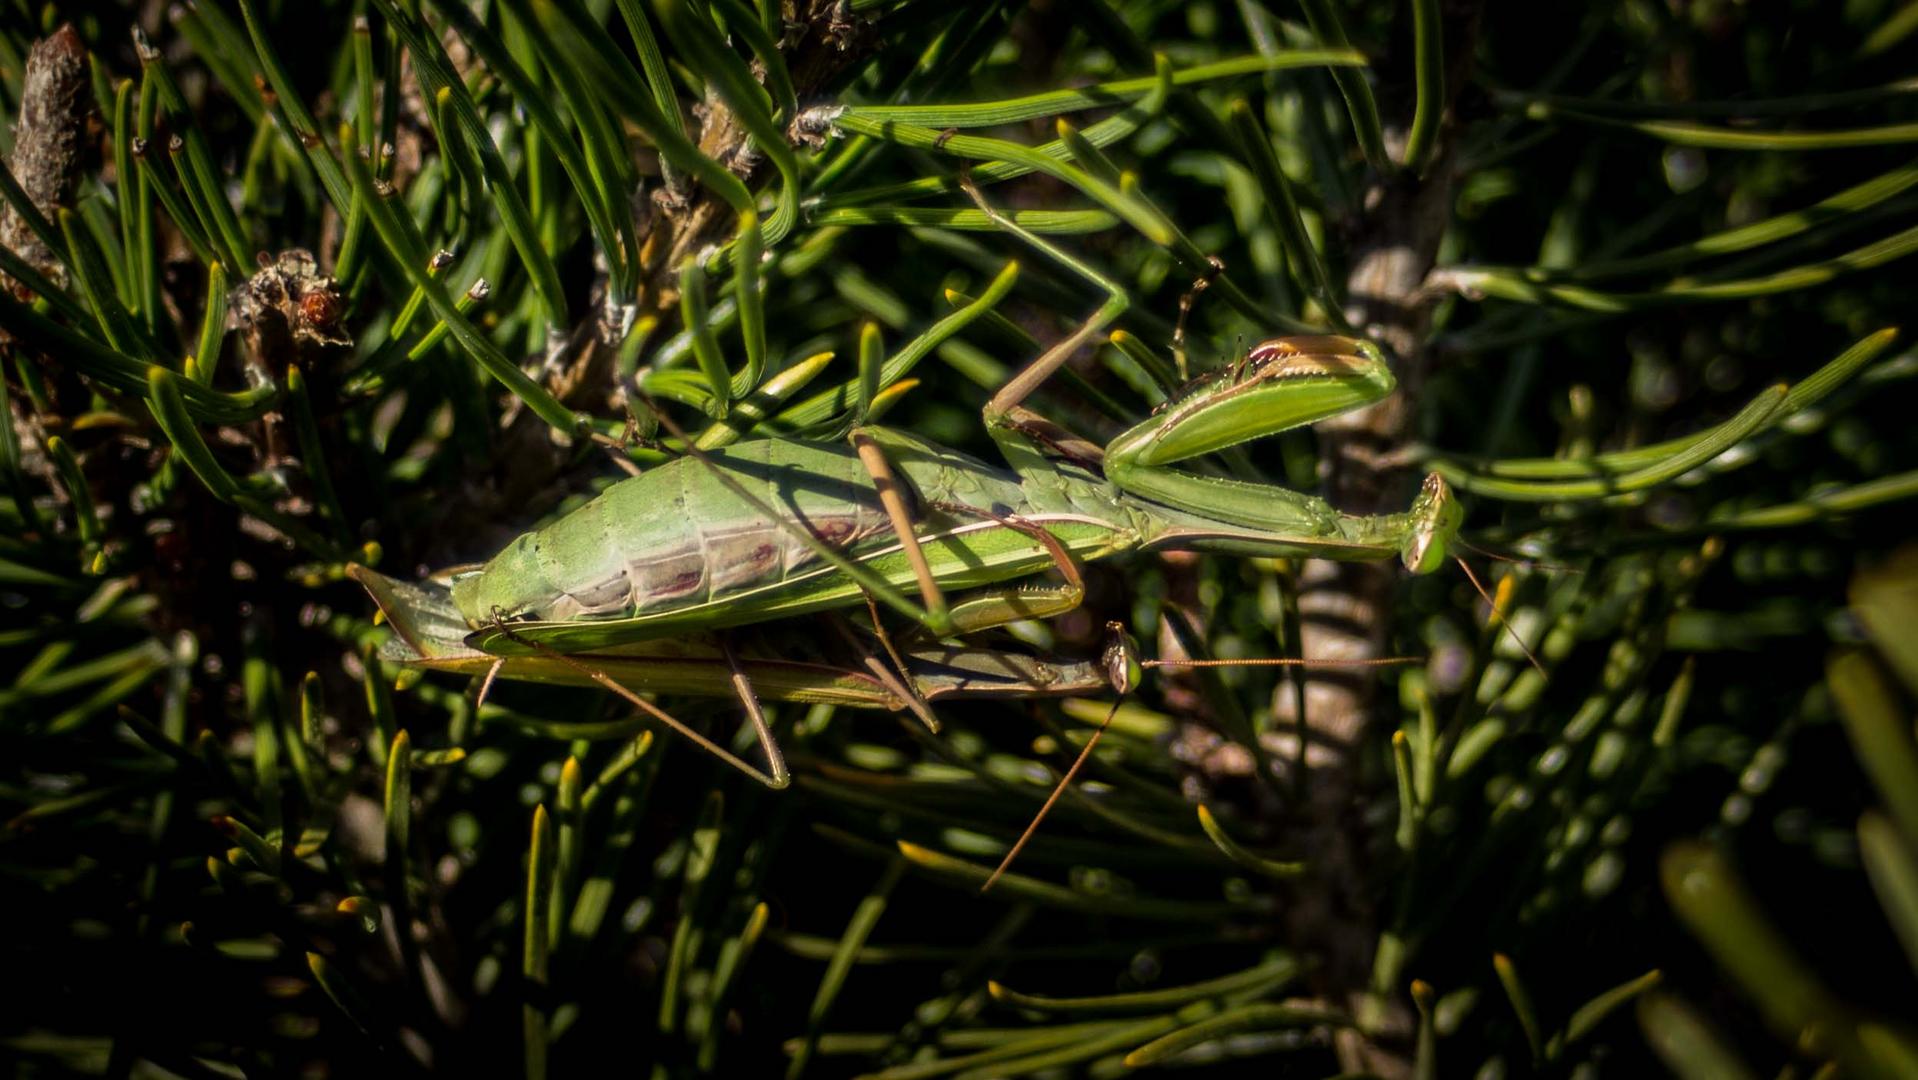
x=1529, y=564
x=1187, y=301
x=1120, y=660
x=1497, y=614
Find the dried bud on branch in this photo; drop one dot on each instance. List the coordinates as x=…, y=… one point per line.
x=48, y=140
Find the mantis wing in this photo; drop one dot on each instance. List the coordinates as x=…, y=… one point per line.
x=429, y=633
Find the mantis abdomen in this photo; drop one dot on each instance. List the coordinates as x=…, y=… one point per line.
x=676, y=537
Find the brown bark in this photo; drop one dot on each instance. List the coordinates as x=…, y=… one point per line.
x=1345, y=612
x=1346, y=608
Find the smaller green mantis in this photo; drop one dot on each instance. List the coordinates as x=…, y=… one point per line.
x=828, y=662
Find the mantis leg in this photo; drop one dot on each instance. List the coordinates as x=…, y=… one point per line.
x=1123, y=668
x=895, y=678
x=996, y=607
x=743, y=687
x=1187, y=301
x=976, y=611
x=1019, y=431
x=775, y=761
x=938, y=619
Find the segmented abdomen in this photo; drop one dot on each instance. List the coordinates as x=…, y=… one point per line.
x=676, y=536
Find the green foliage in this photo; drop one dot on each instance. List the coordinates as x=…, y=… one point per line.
x=1641, y=268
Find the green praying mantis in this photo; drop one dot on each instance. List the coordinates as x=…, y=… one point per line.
x=682, y=578
x=701, y=576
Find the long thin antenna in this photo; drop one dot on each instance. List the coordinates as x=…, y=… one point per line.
x=1283, y=661
x=1214, y=267
x=1057, y=790
x=1529, y=564
x=1098, y=733
x=1497, y=614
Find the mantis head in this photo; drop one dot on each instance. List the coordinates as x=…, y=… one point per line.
x=466, y=588
x=509, y=583
x=1121, y=659
x=1436, y=516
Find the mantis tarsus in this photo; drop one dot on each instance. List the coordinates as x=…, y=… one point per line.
x=775, y=529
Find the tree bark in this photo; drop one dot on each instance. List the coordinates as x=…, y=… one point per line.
x=1345, y=608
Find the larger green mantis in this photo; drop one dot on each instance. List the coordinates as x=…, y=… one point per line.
x=774, y=529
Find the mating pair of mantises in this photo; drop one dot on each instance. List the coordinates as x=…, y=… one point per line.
x=668, y=581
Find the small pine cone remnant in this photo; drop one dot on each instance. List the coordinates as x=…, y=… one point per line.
x=844, y=30
x=813, y=127
x=289, y=304
x=48, y=141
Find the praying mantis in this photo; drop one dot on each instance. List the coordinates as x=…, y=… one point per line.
x=683, y=577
